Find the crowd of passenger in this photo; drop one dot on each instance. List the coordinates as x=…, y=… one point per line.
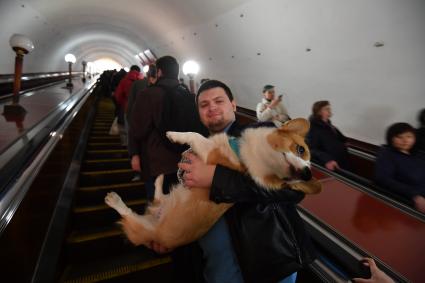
x=400, y=163
x=227, y=252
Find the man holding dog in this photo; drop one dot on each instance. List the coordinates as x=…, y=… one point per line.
x=270, y=217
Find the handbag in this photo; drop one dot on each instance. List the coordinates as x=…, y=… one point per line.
x=114, y=130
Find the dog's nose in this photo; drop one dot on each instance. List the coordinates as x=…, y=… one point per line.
x=306, y=174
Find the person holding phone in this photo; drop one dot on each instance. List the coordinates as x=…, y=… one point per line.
x=271, y=108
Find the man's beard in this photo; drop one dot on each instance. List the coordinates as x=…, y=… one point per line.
x=216, y=126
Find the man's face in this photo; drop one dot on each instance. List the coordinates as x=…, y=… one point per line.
x=215, y=109
x=269, y=94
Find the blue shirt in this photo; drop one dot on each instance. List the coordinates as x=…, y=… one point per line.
x=221, y=265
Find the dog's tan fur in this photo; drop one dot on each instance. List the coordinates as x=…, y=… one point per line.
x=185, y=214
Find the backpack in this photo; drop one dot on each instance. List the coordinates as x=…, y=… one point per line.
x=179, y=114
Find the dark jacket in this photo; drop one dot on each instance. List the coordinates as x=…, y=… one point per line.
x=136, y=88
x=420, y=139
x=327, y=143
x=267, y=233
x=145, y=139
x=400, y=173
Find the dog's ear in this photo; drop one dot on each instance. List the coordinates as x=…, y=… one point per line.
x=299, y=125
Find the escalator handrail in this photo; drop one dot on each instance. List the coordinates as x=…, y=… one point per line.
x=15, y=192
x=25, y=92
x=8, y=78
x=375, y=192
x=362, y=154
x=351, y=250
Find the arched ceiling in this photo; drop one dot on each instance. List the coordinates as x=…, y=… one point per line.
x=98, y=28
x=311, y=50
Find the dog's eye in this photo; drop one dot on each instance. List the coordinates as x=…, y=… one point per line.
x=300, y=150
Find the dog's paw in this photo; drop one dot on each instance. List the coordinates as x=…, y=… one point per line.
x=113, y=200
x=172, y=136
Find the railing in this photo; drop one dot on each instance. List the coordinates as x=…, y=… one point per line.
x=31, y=81
x=339, y=259
x=33, y=148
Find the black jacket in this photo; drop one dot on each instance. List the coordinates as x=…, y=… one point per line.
x=327, y=143
x=400, y=173
x=267, y=233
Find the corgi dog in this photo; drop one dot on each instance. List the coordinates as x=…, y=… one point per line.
x=274, y=158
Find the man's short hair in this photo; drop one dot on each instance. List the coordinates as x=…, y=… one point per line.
x=135, y=68
x=168, y=66
x=267, y=88
x=398, y=129
x=213, y=84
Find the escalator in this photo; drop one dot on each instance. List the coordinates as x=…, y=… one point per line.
x=95, y=249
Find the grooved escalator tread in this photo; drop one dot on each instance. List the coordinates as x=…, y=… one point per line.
x=117, y=266
x=111, y=187
x=94, y=233
x=93, y=208
x=96, y=249
x=104, y=172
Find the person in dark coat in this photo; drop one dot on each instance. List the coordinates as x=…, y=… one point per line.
x=399, y=167
x=281, y=247
x=326, y=142
x=152, y=157
x=420, y=132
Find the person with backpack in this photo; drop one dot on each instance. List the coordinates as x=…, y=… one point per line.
x=165, y=106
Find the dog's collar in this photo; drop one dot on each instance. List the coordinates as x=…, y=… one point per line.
x=234, y=145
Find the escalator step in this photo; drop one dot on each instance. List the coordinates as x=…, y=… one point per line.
x=118, y=266
x=106, y=177
x=111, y=187
x=95, y=234
x=105, y=164
x=112, y=153
x=96, y=249
x=96, y=243
x=102, y=215
x=90, y=195
x=105, y=145
x=101, y=207
x=100, y=138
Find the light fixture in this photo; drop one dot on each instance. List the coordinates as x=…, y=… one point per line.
x=143, y=57
x=70, y=59
x=190, y=69
x=84, y=63
x=22, y=45
x=150, y=55
x=21, y=42
x=145, y=68
x=89, y=69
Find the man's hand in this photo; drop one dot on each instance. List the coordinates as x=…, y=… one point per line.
x=377, y=275
x=419, y=203
x=197, y=173
x=135, y=163
x=274, y=102
x=158, y=248
x=332, y=165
